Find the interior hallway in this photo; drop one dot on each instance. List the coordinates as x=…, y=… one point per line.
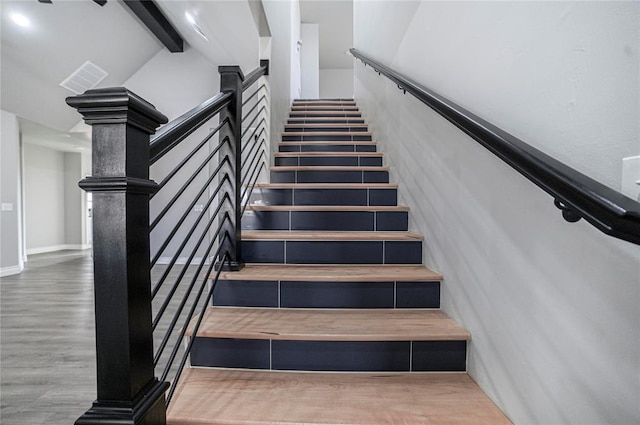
x=47, y=369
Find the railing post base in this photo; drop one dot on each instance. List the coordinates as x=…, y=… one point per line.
x=149, y=409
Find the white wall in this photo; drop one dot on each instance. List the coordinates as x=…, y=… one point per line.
x=310, y=61
x=74, y=216
x=336, y=83
x=282, y=22
x=552, y=307
x=10, y=235
x=44, y=199
x=296, y=39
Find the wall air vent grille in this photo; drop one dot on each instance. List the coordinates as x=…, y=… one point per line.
x=84, y=78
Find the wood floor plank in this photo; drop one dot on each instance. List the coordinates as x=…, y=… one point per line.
x=331, y=324
x=339, y=273
x=330, y=235
x=226, y=397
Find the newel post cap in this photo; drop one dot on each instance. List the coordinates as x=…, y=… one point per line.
x=233, y=69
x=115, y=105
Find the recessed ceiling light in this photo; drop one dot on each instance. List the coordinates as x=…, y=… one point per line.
x=195, y=26
x=20, y=19
x=190, y=18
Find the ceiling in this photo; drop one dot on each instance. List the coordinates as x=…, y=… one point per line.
x=335, y=19
x=65, y=34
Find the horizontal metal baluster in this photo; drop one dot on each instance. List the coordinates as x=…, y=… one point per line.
x=253, y=184
x=183, y=188
x=260, y=125
x=259, y=169
x=193, y=152
x=253, y=95
x=252, y=121
x=246, y=115
x=184, y=241
x=186, y=212
x=245, y=171
x=173, y=289
x=203, y=309
x=176, y=316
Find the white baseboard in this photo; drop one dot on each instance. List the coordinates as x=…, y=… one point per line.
x=11, y=270
x=54, y=248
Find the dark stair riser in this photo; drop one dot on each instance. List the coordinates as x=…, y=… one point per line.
x=328, y=161
x=346, y=147
x=326, y=220
x=302, y=294
x=324, y=176
x=352, y=356
x=331, y=252
x=326, y=196
x=338, y=128
x=330, y=108
x=326, y=138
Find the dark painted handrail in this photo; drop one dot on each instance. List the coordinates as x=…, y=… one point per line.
x=177, y=130
x=577, y=195
x=253, y=76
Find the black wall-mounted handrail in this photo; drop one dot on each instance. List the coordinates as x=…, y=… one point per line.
x=577, y=195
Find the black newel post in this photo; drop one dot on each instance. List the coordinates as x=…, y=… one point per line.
x=231, y=78
x=128, y=392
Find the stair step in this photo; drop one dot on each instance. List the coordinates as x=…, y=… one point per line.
x=344, y=159
x=328, y=108
x=331, y=324
x=319, y=128
x=358, y=218
x=313, y=273
x=323, y=114
x=325, y=194
x=329, y=174
x=363, y=340
x=327, y=146
x=331, y=247
x=292, y=286
x=352, y=136
x=237, y=397
x=317, y=120
x=332, y=236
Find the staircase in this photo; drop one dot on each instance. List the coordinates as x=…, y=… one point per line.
x=334, y=320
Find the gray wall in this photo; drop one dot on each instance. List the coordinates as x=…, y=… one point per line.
x=74, y=214
x=10, y=240
x=44, y=199
x=552, y=307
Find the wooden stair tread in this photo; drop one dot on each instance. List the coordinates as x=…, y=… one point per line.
x=330, y=324
x=346, y=113
x=225, y=396
x=326, y=186
x=327, y=208
x=328, y=168
x=294, y=154
x=326, y=133
x=331, y=142
x=330, y=235
x=339, y=273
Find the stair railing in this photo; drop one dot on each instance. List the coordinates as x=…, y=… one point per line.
x=157, y=245
x=575, y=194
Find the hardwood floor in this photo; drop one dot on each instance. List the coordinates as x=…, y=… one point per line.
x=47, y=370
